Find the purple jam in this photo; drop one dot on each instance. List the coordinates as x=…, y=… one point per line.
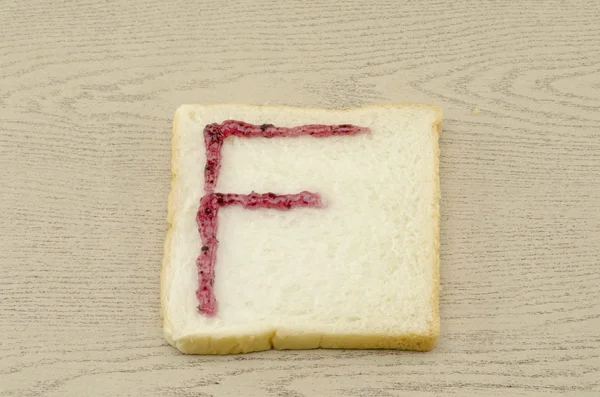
x=214, y=134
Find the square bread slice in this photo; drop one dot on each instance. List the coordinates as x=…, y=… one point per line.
x=360, y=272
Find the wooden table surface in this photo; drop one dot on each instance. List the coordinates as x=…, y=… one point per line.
x=88, y=90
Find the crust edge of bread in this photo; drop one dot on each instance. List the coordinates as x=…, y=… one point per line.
x=201, y=344
x=238, y=344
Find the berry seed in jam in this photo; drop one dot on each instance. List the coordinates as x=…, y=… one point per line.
x=206, y=218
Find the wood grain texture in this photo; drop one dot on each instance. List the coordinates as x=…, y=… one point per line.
x=88, y=90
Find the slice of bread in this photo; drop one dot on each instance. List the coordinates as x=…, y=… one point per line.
x=360, y=271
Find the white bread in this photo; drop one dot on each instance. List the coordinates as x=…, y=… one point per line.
x=362, y=272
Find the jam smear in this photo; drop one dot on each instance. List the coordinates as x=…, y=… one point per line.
x=207, y=216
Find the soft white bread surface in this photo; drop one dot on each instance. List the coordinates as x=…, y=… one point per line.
x=362, y=272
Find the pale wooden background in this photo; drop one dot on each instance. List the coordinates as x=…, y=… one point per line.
x=87, y=94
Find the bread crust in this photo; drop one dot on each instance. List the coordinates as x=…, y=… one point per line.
x=166, y=263
x=279, y=340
